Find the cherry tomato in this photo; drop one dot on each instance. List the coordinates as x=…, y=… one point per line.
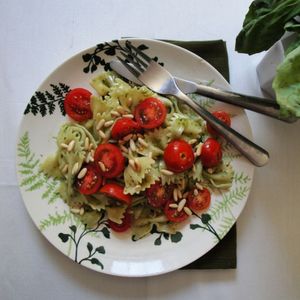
x=77, y=104
x=126, y=223
x=123, y=127
x=150, y=113
x=199, y=202
x=222, y=116
x=211, y=153
x=91, y=181
x=116, y=191
x=173, y=214
x=158, y=194
x=110, y=160
x=179, y=156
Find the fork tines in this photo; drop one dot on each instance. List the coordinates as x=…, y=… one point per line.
x=136, y=57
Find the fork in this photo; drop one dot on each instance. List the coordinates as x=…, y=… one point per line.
x=158, y=79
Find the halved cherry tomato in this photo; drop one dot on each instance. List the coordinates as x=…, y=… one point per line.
x=199, y=202
x=173, y=214
x=123, y=127
x=77, y=104
x=91, y=181
x=222, y=116
x=110, y=157
x=211, y=153
x=126, y=223
x=150, y=113
x=116, y=191
x=158, y=194
x=179, y=156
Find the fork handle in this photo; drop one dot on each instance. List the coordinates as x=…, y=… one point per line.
x=257, y=155
x=264, y=106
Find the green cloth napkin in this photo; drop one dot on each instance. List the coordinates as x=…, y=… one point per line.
x=223, y=255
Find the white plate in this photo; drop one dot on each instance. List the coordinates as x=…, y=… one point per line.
x=104, y=251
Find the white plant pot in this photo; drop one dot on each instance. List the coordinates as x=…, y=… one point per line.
x=266, y=69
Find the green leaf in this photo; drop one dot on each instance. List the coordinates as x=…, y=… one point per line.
x=64, y=237
x=105, y=232
x=110, y=51
x=264, y=24
x=95, y=261
x=175, y=238
x=143, y=47
x=157, y=242
x=166, y=235
x=194, y=226
x=86, y=57
x=100, y=250
x=89, y=247
x=73, y=229
x=287, y=84
x=205, y=218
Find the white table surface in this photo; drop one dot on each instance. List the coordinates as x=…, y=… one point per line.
x=36, y=36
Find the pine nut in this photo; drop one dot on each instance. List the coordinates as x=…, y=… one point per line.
x=137, y=164
x=187, y=211
x=86, y=143
x=131, y=116
x=100, y=124
x=129, y=101
x=124, y=149
x=102, y=134
x=173, y=205
x=199, y=149
x=199, y=186
x=115, y=113
x=175, y=195
x=87, y=158
x=150, y=154
x=127, y=137
x=167, y=172
x=132, y=145
x=108, y=123
x=81, y=212
x=102, y=166
x=65, y=169
x=181, y=205
x=192, y=141
x=82, y=173
x=75, y=168
x=71, y=146
x=143, y=142
x=75, y=210
x=91, y=158
x=196, y=192
x=131, y=163
x=63, y=145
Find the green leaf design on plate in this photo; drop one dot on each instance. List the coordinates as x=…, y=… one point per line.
x=56, y=219
x=31, y=177
x=94, y=59
x=205, y=219
x=44, y=103
x=77, y=238
x=229, y=200
x=206, y=103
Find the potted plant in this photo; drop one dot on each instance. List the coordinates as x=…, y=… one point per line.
x=274, y=25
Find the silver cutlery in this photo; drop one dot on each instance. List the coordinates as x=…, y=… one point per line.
x=268, y=107
x=158, y=79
